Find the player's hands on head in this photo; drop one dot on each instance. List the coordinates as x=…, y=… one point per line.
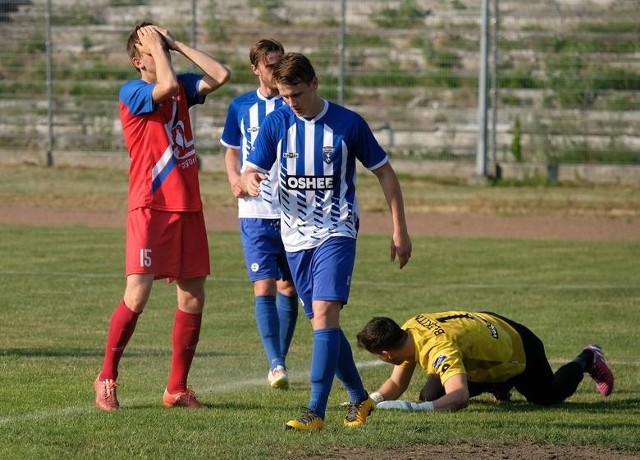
x=150, y=37
x=168, y=38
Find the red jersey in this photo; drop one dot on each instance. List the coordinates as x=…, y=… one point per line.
x=163, y=173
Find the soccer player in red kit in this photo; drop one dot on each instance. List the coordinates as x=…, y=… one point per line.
x=166, y=234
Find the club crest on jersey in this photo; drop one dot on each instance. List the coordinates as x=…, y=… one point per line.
x=328, y=153
x=439, y=360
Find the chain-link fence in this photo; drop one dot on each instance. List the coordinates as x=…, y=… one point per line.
x=563, y=76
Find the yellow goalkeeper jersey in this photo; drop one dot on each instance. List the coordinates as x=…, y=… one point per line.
x=481, y=346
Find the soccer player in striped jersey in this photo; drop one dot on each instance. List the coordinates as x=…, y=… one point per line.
x=166, y=234
x=467, y=353
x=315, y=144
x=276, y=300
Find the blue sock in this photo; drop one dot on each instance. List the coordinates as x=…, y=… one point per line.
x=269, y=329
x=324, y=359
x=348, y=373
x=288, y=316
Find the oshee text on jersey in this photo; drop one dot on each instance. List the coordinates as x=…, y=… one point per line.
x=311, y=182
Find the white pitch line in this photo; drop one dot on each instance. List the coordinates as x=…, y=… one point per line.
x=85, y=409
x=230, y=386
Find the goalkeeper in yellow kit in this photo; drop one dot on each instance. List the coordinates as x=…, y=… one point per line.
x=467, y=353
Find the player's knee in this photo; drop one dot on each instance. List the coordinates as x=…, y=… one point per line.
x=287, y=290
x=136, y=299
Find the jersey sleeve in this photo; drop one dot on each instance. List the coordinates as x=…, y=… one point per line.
x=436, y=354
x=190, y=81
x=231, y=134
x=137, y=96
x=444, y=361
x=369, y=152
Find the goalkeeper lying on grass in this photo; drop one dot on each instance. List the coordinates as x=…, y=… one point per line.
x=467, y=353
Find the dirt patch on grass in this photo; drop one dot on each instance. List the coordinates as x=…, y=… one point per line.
x=518, y=452
x=433, y=224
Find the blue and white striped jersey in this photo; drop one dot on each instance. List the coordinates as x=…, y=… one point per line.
x=316, y=160
x=244, y=117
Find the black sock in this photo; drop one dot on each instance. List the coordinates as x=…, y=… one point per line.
x=585, y=359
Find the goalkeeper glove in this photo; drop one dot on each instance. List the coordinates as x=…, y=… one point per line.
x=405, y=405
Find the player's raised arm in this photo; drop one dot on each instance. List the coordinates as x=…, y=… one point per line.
x=216, y=73
x=152, y=45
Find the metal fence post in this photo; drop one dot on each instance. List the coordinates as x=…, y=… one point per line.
x=494, y=90
x=341, y=50
x=49, y=84
x=481, y=153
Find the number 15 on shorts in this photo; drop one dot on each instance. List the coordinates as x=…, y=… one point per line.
x=145, y=257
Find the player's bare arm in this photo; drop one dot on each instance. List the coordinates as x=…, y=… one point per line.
x=250, y=180
x=456, y=395
x=216, y=73
x=397, y=383
x=232, y=166
x=154, y=63
x=400, y=241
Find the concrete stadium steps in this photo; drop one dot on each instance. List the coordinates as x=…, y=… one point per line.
x=438, y=119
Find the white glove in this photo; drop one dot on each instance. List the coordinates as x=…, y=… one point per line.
x=404, y=405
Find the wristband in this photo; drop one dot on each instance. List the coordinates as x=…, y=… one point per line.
x=376, y=397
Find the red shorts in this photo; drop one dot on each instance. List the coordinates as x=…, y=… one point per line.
x=167, y=244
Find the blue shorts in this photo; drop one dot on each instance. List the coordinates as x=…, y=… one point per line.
x=264, y=252
x=323, y=272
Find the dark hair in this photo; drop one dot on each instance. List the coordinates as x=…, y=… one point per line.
x=133, y=39
x=381, y=333
x=262, y=48
x=293, y=69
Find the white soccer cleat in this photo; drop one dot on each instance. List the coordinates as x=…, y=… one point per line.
x=278, y=378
